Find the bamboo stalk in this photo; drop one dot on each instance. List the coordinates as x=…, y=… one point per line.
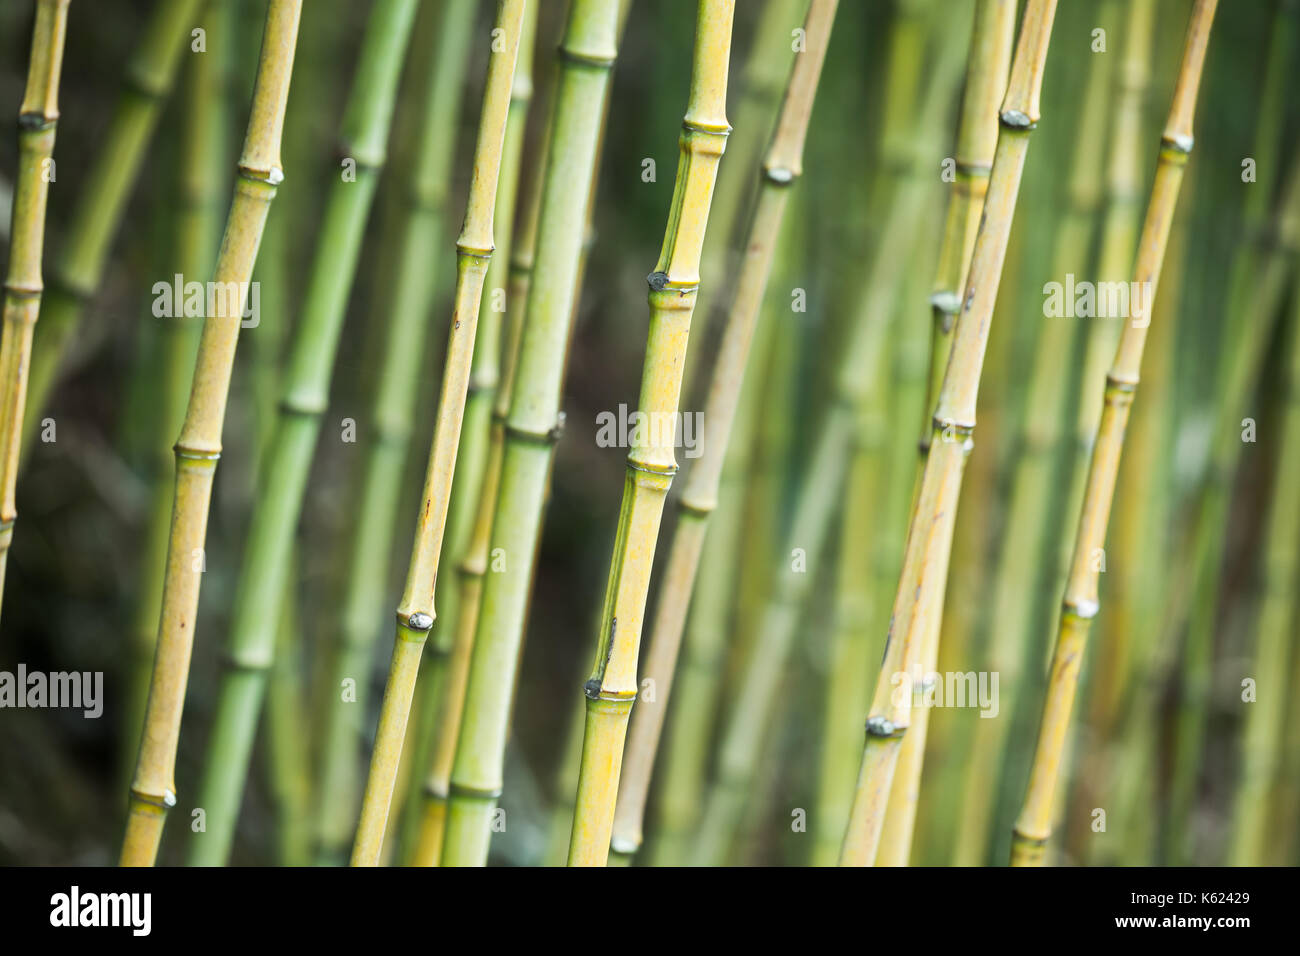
x=79, y=268
x=1080, y=604
x=38, y=118
x=199, y=445
x=202, y=165
x=781, y=167
x=477, y=475
x=263, y=573
x=929, y=538
x=860, y=362
x=1262, y=731
x=977, y=136
x=587, y=55
x=1025, y=539
x=414, y=284
x=415, y=613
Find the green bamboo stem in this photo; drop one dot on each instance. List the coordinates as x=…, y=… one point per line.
x=587, y=55
x=1025, y=541
x=414, y=284
x=201, y=181
x=199, y=445
x=759, y=88
x=1080, y=604
x=1262, y=731
x=471, y=509
x=264, y=571
x=861, y=362
x=1240, y=354
x=929, y=538
x=781, y=168
x=79, y=268
x=415, y=613
x=38, y=118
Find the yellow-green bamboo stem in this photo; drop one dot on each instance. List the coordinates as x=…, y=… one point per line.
x=263, y=577
x=652, y=462
x=38, y=119
x=977, y=136
x=929, y=537
x=415, y=613
x=415, y=279
x=587, y=55
x=477, y=474
x=781, y=168
x=199, y=445
x=202, y=162
x=1080, y=605
x=79, y=268
x=1263, y=730
x=1024, y=540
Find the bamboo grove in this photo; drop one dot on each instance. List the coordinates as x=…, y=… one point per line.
x=938, y=511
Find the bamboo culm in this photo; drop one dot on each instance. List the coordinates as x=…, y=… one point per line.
x=38, y=118
x=1080, y=604
x=781, y=169
x=415, y=281
x=929, y=537
x=415, y=613
x=532, y=426
x=199, y=446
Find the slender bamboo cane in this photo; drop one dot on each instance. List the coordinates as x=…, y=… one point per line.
x=1024, y=539
x=38, y=119
x=414, y=287
x=674, y=284
x=263, y=575
x=977, y=136
x=477, y=474
x=77, y=271
x=929, y=538
x=759, y=88
x=199, y=445
x=1274, y=632
x=202, y=159
x=415, y=614
x=1080, y=605
x=860, y=362
x=781, y=168
x=587, y=55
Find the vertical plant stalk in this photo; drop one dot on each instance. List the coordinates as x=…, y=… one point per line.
x=199, y=446
x=977, y=136
x=414, y=282
x=79, y=268
x=860, y=362
x=202, y=159
x=781, y=168
x=478, y=466
x=674, y=284
x=1080, y=605
x=1026, y=549
x=38, y=118
x=532, y=427
x=267, y=558
x=415, y=613
x=929, y=537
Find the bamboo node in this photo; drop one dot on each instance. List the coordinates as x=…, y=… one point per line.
x=419, y=621
x=35, y=122
x=626, y=846
x=881, y=727
x=1180, y=141
x=947, y=302
x=1015, y=119
x=593, y=61
x=1084, y=609
x=17, y=291
x=779, y=175
x=166, y=801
